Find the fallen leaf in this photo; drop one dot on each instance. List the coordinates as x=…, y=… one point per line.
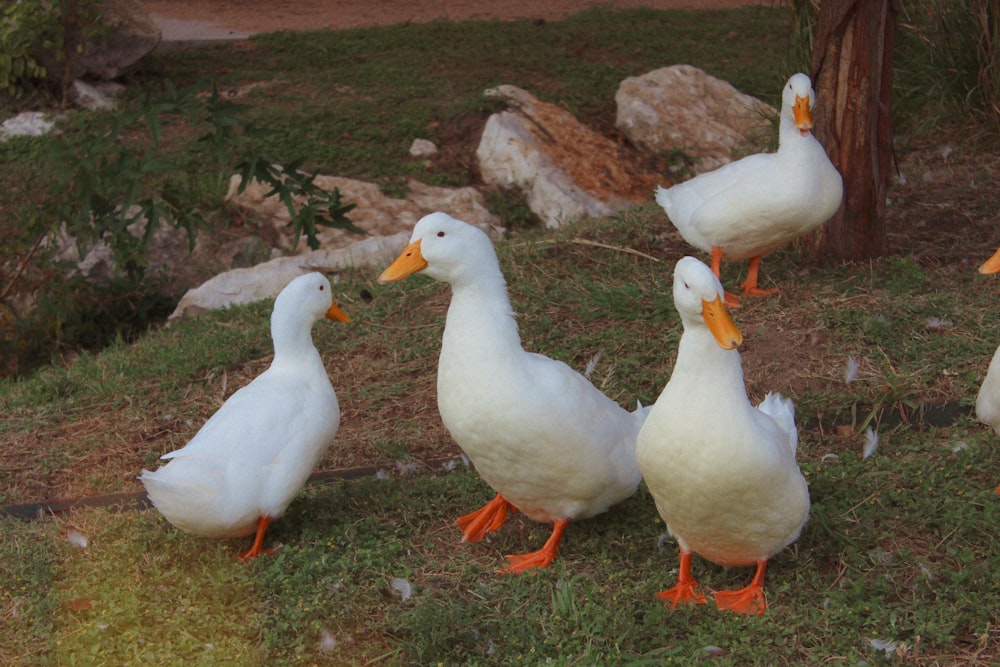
x=81, y=604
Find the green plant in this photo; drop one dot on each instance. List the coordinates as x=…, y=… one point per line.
x=948, y=59
x=39, y=36
x=113, y=181
x=23, y=26
x=319, y=208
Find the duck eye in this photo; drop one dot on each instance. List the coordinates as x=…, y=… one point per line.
x=440, y=235
x=322, y=289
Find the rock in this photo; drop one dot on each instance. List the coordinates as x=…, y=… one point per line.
x=168, y=246
x=564, y=169
x=376, y=213
x=26, y=124
x=683, y=108
x=131, y=34
x=264, y=281
x=387, y=220
x=423, y=148
x=93, y=98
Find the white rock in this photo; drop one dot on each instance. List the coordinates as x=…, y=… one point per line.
x=564, y=169
x=423, y=148
x=90, y=97
x=26, y=124
x=683, y=108
x=264, y=281
x=374, y=212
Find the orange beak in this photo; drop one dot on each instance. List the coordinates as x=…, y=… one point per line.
x=992, y=265
x=410, y=261
x=803, y=114
x=335, y=313
x=721, y=324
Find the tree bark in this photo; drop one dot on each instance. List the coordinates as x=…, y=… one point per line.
x=851, y=71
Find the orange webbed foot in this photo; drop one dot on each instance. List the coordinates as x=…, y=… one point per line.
x=686, y=589
x=258, y=542
x=518, y=563
x=749, y=600
x=488, y=518
x=749, y=286
x=758, y=291
x=682, y=594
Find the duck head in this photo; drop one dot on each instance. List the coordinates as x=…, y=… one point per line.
x=445, y=249
x=798, y=99
x=309, y=294
x=699, y=298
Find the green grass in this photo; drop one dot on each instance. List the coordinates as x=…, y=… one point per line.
x=354, y=100
x=900, y=547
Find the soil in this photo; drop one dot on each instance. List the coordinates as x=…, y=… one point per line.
x=270, y=15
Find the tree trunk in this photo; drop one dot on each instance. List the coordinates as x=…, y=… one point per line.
x=852, y=73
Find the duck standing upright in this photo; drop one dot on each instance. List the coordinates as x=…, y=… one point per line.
x=988, y=399
x=248, y=461
x=746, y=209
x=722, y=472
x=541, y=435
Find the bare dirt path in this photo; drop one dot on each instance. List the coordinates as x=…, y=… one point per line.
x=229, y=18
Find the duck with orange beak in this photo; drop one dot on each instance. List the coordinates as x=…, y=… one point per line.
x=540, y=434
x=746, y=209
x=721, y=471
x=244, y=466
x=988, y=399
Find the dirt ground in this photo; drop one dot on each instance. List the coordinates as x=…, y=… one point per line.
x=270, y=15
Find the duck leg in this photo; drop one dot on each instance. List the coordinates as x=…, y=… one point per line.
x=258, y=541
x=541, y=558
x=731, y=299
x=749, y=285
x=477, y=525
x=749, y=600
x=686, y=588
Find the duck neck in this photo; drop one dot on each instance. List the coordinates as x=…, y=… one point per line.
x=292, y=341
x=480, y=313
x=699, y=356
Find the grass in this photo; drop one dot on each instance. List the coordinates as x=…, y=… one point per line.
x=901, y=548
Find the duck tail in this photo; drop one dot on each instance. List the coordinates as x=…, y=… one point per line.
x=663, y=197
x=782, y=411
x=641, y=412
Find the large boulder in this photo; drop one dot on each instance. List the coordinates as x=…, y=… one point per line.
x=681, y=108
x=387, y=220
x=126, y=33
x=565, y=169
x=375, y=212
x=264, y=281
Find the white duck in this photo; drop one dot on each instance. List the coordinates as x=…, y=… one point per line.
x=746, y=209
x=722, y=472
x=243, y=467
x=988, y=400
x=541, y=435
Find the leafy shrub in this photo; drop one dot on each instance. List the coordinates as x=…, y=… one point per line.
x=36, y=32
x=23, y=27
x=109, y=179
